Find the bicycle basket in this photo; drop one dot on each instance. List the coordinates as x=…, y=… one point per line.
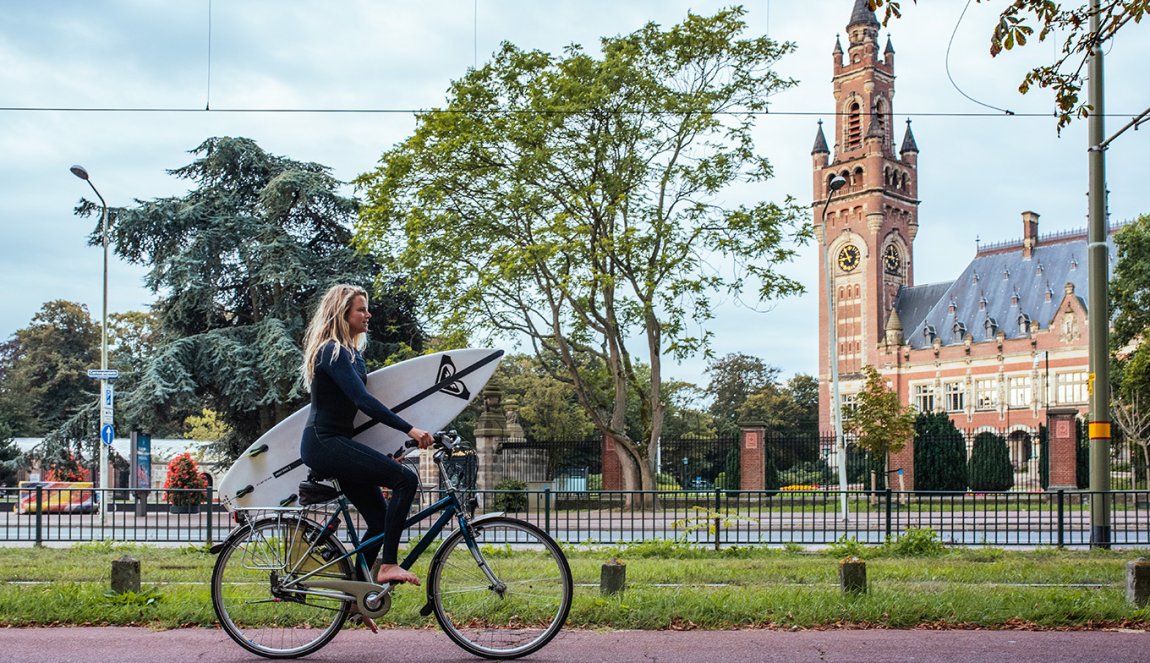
x=459, y=467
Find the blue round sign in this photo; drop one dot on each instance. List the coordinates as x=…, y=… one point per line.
x=107, y=434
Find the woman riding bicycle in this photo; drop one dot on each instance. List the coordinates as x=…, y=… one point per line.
x=335, y=371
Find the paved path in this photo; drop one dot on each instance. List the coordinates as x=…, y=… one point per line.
x=138, y=645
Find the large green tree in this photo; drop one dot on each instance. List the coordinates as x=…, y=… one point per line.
x=10, y=456
x=546, y=407
x=1130, y=284
x=1130, y=299
x=45, y=380
x=580, y=201
x=239, y=262
x=790, y=414
x=733, y=379
x=1070, y=22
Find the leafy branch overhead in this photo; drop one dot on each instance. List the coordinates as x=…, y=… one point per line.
x=1017, y=23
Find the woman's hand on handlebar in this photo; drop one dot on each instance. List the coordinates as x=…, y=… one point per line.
x=421, y=436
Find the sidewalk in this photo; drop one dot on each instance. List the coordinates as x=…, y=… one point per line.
x=140, y=645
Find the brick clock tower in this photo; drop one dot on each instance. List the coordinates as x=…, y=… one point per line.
x=868, y=230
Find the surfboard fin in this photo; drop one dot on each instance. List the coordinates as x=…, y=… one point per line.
x=244, y=491
x=288, y=500
x=258, y=450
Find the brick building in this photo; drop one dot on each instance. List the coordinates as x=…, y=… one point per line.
x=995, y=348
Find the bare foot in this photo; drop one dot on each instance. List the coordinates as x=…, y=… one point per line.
x=363, y=619
x=395, y=573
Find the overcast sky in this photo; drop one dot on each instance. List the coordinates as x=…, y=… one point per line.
x=978, y=169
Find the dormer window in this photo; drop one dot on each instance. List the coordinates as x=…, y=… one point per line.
x=928, y=333
x=959, y=330
x=1023, y=323
x=991, y=326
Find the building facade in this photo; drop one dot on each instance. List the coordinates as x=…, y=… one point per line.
x=995, y=348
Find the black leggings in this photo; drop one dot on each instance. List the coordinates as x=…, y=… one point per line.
x=361, y=471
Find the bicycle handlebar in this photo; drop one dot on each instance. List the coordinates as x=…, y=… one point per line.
x=444, y=439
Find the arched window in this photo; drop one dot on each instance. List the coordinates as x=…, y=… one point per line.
x=854, y=126
x=880, y=112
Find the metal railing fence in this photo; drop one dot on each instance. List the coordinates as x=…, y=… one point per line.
x=716, y=518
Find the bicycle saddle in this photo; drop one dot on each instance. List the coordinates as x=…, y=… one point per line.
x=311, y=491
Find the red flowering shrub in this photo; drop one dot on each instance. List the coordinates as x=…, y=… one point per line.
x=184, y=474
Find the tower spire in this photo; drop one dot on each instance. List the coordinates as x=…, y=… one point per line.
x=820, y=142
x=862, y=14
x=908, y=144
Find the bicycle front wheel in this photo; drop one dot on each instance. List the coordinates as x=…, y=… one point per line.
x=255, y=594
x=514, y=608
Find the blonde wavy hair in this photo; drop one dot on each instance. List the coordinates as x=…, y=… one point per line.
x=329, y=323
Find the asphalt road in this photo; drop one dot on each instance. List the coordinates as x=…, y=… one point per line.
x=139, y=645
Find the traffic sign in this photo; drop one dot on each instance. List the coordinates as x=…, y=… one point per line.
x=107, y=434
x=103, y=373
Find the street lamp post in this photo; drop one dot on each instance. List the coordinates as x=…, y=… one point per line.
x=837, y=182
x=105, y=398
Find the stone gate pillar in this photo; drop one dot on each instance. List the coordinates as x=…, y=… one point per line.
x=612, y=467
x=1063, y=452
x=490, y=430
x=905, y=460
x=752, y=455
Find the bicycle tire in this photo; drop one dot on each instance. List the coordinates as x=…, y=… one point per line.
x=252, y=563
x=531, y=609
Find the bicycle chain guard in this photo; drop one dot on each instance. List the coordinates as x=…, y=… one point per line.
x=367, y=594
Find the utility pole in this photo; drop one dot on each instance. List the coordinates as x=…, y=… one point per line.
x=1098, y=266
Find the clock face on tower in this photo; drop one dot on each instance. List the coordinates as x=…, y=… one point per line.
x=849, y=257
x=892, y=259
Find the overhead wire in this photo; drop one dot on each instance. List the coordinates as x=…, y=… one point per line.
x=524, y=111
x=949, y=77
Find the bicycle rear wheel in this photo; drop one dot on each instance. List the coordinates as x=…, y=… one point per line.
x=522, y=609
x=253, y=593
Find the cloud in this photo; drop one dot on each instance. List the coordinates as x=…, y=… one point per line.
x=976, y=173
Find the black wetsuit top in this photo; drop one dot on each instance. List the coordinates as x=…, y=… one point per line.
x=339, y=391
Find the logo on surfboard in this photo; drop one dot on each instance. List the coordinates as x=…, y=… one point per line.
x=455, y=387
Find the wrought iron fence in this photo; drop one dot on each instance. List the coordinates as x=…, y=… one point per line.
x=716, y=518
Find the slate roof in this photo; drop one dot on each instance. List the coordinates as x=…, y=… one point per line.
x=820, y=142
x=862, y=14
x=908, y=144
x=996, y=290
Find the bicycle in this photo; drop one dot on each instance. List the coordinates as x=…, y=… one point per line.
x=283, y=584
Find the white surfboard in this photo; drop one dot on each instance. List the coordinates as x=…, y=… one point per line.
x=427, y=391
